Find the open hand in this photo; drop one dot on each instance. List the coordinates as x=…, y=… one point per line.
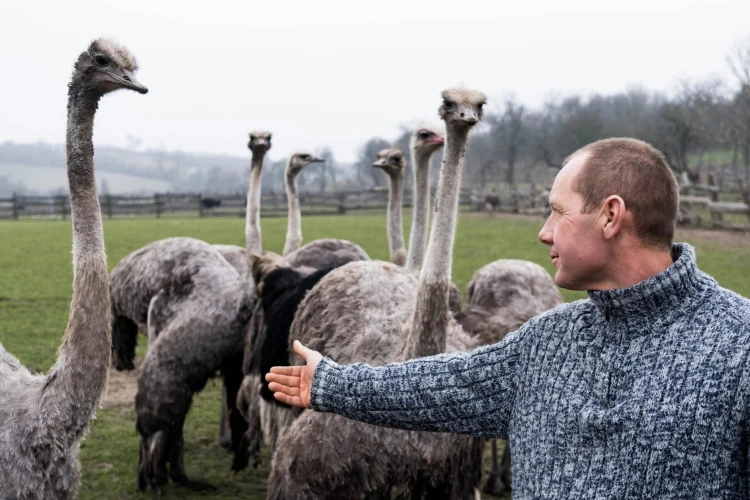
x=292, y=384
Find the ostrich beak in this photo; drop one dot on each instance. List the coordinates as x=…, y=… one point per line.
x=436, y=140
x=128, y=81
x=379, y=163
x=315, y=159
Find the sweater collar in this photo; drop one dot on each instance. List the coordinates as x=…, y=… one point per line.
x=668, y=289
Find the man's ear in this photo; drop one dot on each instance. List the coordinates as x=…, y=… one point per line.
x=612, y=216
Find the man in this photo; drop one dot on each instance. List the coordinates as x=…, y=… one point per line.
x=640, y=391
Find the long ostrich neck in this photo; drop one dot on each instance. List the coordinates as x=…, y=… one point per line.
x=420, y=212
x=431, y=315
x=294, y=224
x=395, y=220
x=75, y=383
x=253, y=241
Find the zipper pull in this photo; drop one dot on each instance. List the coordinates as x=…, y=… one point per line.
x=608, y=308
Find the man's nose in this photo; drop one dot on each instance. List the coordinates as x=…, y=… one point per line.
x=545, y=235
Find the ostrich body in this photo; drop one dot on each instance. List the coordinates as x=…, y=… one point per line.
x=378, y=313
x=393, y=163
x=43, y=418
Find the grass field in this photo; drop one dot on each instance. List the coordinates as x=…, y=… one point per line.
x=35, y=290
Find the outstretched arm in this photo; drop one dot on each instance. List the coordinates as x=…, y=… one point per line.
x=470, y=393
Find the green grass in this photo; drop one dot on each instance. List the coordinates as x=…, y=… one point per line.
x=35, y=289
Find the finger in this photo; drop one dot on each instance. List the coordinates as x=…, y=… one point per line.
x=287, y=370
x=282, y=379
x=301, y=350
x=289, y=391
x=290, y=400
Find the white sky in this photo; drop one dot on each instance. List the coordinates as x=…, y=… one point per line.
x=318, y=72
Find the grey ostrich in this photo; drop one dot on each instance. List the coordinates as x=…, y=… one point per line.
x=377, y=312
x=238, y=257
x=317, y=254
x=393, y=163
x=43, y=418
x=425, y=142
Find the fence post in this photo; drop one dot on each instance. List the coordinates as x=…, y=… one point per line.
x=64, y=206
x=15, y=206
x=200, y=204
x=108, y=204
x=159, y=203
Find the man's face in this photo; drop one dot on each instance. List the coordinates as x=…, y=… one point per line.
x=575, y=241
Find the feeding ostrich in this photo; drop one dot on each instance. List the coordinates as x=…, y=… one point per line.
x=43, y=418
x=263, y=421
x=377, y=313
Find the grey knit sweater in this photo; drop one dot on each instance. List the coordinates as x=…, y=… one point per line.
x=641, y=392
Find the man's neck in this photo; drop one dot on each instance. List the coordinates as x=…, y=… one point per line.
x=633, y=264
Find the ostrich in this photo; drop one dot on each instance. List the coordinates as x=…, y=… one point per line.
x=238, y=257
x=377, y=313
x=425, y=142
x=393, y=163
x=317, y=254
x=43, y=418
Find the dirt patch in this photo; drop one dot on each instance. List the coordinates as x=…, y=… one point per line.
x=122, y=387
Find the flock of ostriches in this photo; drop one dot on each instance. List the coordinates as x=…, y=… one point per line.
x=223, y=310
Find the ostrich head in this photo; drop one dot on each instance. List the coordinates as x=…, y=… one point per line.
x=260, y=142
x=298, y=161
x=104, y=67
x=392, y=162
x=427, y=139
x=462, y=108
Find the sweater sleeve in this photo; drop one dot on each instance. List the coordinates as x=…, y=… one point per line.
x=468, y=393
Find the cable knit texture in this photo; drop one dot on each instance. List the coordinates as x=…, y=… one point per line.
x=639, y=392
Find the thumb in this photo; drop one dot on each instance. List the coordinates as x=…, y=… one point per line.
x=302, y=351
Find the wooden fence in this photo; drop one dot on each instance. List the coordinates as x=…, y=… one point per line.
x=41, y=207
x=699, y=205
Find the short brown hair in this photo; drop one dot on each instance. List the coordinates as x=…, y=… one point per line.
x=640, y=175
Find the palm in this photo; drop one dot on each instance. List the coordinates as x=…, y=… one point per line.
x=292, y=384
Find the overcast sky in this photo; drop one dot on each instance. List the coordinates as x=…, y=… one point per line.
x=338, y=72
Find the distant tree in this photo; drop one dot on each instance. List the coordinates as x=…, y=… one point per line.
x=104, y=187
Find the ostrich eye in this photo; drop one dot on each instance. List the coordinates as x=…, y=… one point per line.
x=101, y=60
x=481, y=105
x=424, y=135
x=305, y=157
x=448, y=104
